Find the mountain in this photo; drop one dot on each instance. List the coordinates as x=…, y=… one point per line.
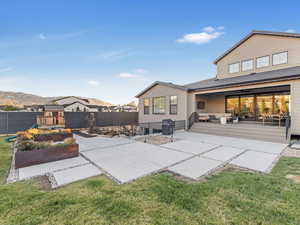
x=20, y=99
x=133, y=103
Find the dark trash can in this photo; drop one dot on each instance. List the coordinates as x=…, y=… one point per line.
x=168, y=126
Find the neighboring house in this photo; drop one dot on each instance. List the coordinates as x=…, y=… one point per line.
x=70, y=104
x=34, y=108
x=70, y=100
x=124, y=108
x=258, y=79
x=79, y=107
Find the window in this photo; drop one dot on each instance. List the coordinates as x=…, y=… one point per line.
x=280, y=58
x=146, y=106
x=247, y=65
x=201, y=105
x=262, y=61
x=232, y=105
x=234, y=68
x=173, y=104
x=159, y=105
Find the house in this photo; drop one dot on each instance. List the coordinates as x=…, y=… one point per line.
x=70, y=100
x=257, y=81
x=70, y=104
x=34, y=108
x=79, y=107
x=124, y=108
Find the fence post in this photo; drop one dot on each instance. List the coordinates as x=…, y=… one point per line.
x=7, y=123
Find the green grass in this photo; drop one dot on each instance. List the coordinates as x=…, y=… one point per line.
x=5, y=158
x=230, y=197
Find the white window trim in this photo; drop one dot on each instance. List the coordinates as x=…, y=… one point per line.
x=247, y=61
x=262, y=57
x=287, y=58
x=170, y=104
x=239, y=63
x=153, y=108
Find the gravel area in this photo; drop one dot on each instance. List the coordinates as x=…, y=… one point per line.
x=156, y=139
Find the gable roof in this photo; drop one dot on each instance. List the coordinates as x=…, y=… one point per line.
x=180, y=87
x=275, y=75
x=281, y=34
x=66, y=105
x=83, y=99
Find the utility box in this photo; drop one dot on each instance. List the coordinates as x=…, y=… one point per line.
x=168, y=127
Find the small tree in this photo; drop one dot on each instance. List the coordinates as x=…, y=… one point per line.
x=91, y=122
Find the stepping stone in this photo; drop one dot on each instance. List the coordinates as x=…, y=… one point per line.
x=132, y=161
x=223, y=153
x=74, y=174
x=259, y=161
x=191, y=147
x=264, y=146
x=101, y=142
x=195, y=167
x=42, y=169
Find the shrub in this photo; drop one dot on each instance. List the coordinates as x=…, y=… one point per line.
x=70, y=141
x=32, y=145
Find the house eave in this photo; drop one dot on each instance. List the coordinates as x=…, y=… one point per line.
x=245, y=84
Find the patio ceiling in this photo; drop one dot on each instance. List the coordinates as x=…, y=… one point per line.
x=265, y=90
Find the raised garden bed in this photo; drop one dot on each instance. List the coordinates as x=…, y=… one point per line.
x=52, y=137
x=33, y=157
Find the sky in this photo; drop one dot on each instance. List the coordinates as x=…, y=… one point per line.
x=112, y=49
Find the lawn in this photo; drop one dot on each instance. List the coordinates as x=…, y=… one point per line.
x=5, y=157
x=230, y=197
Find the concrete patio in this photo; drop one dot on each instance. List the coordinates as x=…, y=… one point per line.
x=192, y=155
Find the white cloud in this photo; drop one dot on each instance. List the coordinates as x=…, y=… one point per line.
x=7, y=69
x=208, y=33
x=140, y=70
x=62, y=36
x=290, y=31
x=114, y=55
x=93, y=83
x=128, y=75
x=209, y=29
x=42, y=36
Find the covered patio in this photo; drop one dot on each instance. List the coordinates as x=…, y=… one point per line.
x=261, y=106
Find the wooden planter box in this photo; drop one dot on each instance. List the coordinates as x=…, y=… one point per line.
x=33, y=157
x=52, y=137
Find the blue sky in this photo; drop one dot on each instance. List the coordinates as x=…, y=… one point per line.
x=113, y=49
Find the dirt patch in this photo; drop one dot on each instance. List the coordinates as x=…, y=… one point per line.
x=43, y=183
x=294, y=178
x=156, y=140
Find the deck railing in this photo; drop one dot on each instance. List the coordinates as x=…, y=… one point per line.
x=287, y=126
x=192, y=119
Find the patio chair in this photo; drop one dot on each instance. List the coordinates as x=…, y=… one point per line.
x=235, y=119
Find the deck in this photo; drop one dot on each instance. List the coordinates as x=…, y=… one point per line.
x=256, y=131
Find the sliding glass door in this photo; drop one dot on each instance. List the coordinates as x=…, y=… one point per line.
x=259, y=106
x=247, y=109
x=264, y=106
x=232, y=105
